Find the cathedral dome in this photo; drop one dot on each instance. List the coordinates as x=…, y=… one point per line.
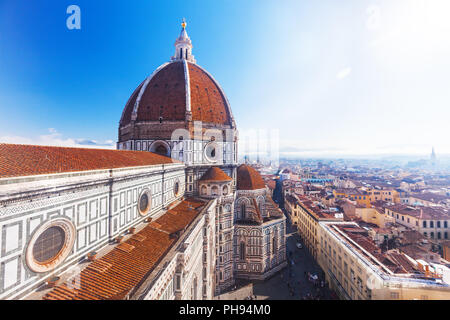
x=249, y=179
x=177, y=91
x=215, y=174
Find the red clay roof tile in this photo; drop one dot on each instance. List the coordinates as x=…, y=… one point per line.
x=165, y=96
x=26, y=160
x=215, y=174
x=248, y=178
x=115, y=274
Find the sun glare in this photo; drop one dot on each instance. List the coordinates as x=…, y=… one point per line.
x=412, y=31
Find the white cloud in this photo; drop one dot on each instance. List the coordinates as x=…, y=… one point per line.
x=54, y=138
x=344, y=73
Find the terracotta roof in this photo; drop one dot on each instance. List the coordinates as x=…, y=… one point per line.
x=393, y=260
x=431, y=197
x=25, y=160
x=248, y=178
x=431, y=213
x=215, y=174
x=272, y=184
x=178, y=218
x=115, y=274
x=165, y=96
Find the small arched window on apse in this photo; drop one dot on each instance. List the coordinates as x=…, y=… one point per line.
x=195, y=289
x=243, y=209
x=225, y=190
x=261, y=206
x=242, y=251
x=204, y=190
x=274, y=244
x=215, y=191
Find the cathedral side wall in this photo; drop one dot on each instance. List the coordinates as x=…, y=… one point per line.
x=99, y=205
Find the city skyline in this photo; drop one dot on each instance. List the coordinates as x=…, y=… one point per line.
x=224, y=151
x=366, y=98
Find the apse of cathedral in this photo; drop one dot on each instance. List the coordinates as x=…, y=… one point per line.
x=169, y=215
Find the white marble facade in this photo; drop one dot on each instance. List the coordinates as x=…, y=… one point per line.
x=99, y=205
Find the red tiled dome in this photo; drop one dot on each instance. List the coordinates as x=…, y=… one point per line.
x=164, y=95
x=215, y=174
x=248, y=178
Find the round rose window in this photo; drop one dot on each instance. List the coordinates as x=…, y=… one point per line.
x=50, y=245
x=144, y=203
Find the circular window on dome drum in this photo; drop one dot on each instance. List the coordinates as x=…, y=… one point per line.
x=211, y=152
x=50, y=245
x=144, y=202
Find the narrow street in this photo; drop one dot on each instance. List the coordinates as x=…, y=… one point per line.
x=295, y=276
x=290, y=283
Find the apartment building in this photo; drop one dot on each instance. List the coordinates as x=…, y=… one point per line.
x=362, y=198
x=292, y=207
x=357, y=269
x=389, y=195
x=432, y=222
x=310, y=213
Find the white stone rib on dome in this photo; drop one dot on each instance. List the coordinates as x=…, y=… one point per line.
x=144, y=86
x=128, y=101
x=187, y=81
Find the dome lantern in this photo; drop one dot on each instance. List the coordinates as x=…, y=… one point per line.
x=183, y=45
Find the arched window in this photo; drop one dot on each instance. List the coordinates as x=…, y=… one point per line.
x=242, y=251
x=194, y=297
x=274, y=244
x=161, y=150
x=176, y=188
x=261, y=205
x=225, y=190
x=242, y=210
x=204, y=190
x=215, y=191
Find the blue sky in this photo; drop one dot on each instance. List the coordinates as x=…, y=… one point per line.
x=334, y=77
